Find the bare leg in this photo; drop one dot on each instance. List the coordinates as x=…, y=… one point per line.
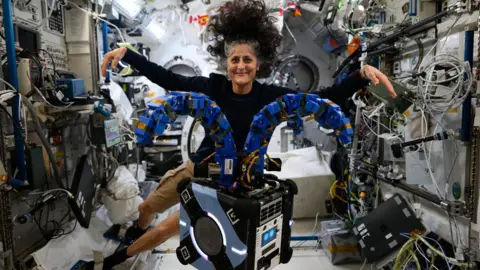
x=146, y=216
x=153, y=238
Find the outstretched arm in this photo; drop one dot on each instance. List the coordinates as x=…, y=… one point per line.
x=359, y=79
x=338, y=93
x=155, y=73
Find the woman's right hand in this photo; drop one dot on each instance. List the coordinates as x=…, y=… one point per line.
x=114, y=56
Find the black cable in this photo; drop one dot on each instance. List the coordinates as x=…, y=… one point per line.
x=53, y=61
x=52, y=229
x=420, y=54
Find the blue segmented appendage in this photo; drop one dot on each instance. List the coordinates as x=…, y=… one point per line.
x=164, y=110
x=291, y=108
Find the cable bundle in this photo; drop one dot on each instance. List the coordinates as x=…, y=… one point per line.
x=457, y=77
x=49, y=227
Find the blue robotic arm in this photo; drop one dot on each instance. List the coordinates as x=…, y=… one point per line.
x=291, y=108
x=164, y=110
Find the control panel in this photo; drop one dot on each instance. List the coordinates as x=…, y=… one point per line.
x=56, y=54
x=28, y=11
x=54, y=13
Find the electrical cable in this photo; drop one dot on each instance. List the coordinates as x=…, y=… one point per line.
x=97, y=16
x=420, y=54
x=47, y=102
x=52, y=229
x=53, y=61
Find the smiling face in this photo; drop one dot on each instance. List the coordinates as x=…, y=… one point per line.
x=242, y=66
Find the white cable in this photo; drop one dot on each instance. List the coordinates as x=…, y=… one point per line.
x=452, y=98
x=423, y=255
x=48, y=103
x=98, y=16
x=316, y=223
x=7, y=83
x=50, y=191
x=364, y=263
x=441, y=102
x=7, y=96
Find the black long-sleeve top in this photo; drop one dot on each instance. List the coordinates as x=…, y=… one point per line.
x=239, y=109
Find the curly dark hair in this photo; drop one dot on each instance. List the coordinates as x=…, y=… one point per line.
x=246, y=21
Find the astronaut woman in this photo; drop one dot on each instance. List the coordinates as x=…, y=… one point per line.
x=246, y=40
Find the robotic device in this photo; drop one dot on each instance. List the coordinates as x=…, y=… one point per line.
x=232, y=215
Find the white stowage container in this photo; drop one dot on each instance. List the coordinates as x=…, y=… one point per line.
x=122, y=197
x=310, y=170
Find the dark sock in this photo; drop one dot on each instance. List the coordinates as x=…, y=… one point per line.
x=134, y=232
x=115, y=259
x=88, y=266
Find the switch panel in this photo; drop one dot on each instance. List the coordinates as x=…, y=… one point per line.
x=58, y=54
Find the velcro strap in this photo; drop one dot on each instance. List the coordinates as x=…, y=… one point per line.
x=280, y=104
x=270, y=118
x=205, y=106
x=122, y=231
x=190, y=104
x=321, y=110
x=303, y=103
x=257, y=130
x=225, y=132
x=169, y=111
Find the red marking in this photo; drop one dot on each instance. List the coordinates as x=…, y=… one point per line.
x=280, y=11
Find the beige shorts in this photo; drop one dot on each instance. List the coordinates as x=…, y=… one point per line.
x=166, y=196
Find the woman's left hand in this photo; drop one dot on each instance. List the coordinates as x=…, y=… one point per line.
x=376, y=76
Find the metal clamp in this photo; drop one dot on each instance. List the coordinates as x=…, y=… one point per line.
x=123, y=231
x=454, y=208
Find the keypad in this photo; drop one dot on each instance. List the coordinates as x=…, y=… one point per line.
x=55, y=22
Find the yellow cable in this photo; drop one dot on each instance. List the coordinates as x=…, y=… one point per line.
x=438, y=252
x=398, y=261
x=209, y=157
x=354, y=196
x=331, y=189
x=273, y=161
x=250, y=167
